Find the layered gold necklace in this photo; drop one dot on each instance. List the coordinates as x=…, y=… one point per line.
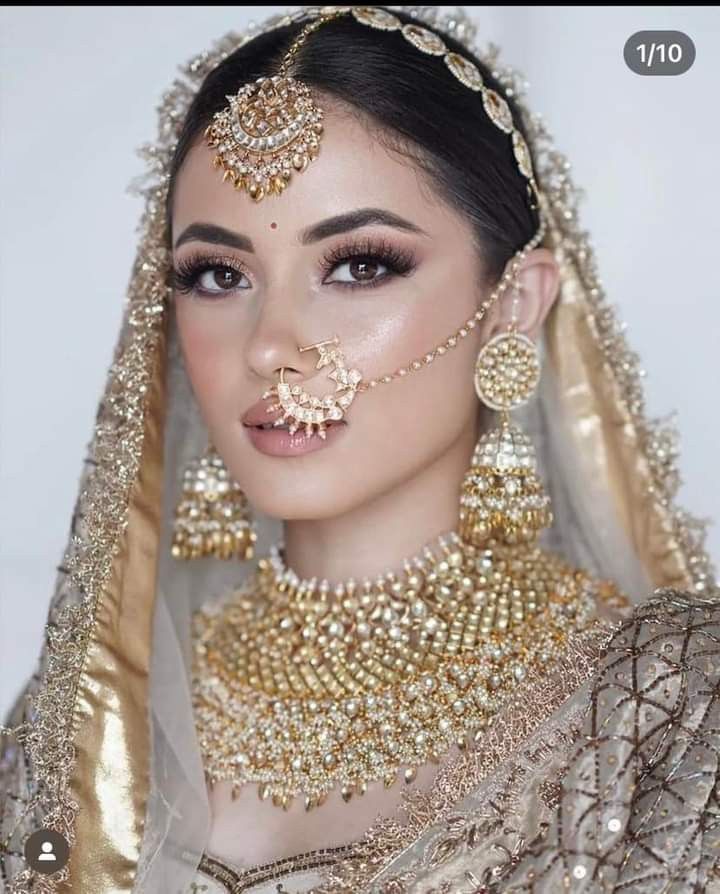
x=301, y=686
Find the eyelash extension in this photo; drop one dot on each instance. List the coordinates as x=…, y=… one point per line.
x=400, y=262
x=185, y=275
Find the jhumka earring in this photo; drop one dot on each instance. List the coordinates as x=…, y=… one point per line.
x=212, y=518
x=501, y=495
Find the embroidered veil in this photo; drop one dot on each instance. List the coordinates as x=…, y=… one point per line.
x=100, y=745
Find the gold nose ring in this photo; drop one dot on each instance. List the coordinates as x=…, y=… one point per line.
x=300, y=408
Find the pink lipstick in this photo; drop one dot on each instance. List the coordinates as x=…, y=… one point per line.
x=277, y=440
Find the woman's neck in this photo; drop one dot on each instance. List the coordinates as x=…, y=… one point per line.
x=377, y=536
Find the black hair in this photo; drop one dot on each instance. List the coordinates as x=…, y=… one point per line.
x=415, y=105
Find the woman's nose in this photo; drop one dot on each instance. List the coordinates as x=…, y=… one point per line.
x=278, y=342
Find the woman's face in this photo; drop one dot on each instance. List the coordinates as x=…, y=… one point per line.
x=261, y=279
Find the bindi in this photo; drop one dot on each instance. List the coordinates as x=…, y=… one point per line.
x=273, y=226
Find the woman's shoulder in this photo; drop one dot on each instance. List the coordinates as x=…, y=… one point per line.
x=657, y=685
x=639, y=791
x=673, y=631
x=659, y=677
x=673, y=602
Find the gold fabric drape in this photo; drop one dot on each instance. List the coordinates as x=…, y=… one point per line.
x=608, y=438
x=111, y=775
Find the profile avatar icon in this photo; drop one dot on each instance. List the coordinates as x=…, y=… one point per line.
x=46, y=851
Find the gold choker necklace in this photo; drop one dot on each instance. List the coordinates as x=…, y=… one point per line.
x=302, y=686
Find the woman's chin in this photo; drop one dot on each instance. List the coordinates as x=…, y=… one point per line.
x=309, y=494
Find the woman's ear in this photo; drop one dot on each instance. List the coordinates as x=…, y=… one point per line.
x=539, y=277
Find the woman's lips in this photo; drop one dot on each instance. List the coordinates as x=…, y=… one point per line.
x=278, y=441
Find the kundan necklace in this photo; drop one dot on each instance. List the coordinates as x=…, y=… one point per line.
x=302, y=686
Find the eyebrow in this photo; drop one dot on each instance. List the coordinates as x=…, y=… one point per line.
x=341, y=223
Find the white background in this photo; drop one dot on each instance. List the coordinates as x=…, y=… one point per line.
x=78, y=90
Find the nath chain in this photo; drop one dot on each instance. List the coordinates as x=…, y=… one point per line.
x=508, y=277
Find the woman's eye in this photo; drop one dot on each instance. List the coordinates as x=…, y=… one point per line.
x=351, y=267
x=359, y=270
x=219, y=279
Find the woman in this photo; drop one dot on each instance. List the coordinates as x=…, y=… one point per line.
x=473, y=651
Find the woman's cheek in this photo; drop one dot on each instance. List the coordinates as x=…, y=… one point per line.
x=212, y=360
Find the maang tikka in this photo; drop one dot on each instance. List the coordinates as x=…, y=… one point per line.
x=270, y=129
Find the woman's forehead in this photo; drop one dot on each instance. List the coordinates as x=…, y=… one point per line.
x=352, y=170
